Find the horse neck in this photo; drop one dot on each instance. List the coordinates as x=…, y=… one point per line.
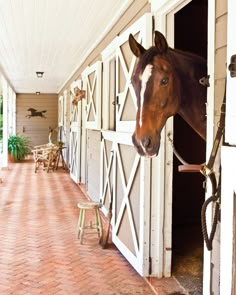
x=191, y=69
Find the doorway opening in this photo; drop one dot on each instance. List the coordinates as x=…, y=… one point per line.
x=188, y=192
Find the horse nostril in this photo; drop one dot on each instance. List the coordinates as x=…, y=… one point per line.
x=146, y=142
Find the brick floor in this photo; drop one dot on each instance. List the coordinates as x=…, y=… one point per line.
x=39, y=249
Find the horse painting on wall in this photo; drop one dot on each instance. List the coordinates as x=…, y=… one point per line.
x=35, y=113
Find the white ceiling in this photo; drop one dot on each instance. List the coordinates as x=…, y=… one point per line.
x=52, y=36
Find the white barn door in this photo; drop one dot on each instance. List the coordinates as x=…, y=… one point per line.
x=92, y=85
x=126, y=105
x=228, y=159
x=62, y=122
x=127, y=181
x=61, y=117
x=230, y=134
x=75, y=134
x=125, y=177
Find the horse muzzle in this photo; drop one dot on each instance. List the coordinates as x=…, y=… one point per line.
x=146, y=146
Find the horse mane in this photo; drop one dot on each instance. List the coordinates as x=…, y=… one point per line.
x=148, y=56
x=189, y=56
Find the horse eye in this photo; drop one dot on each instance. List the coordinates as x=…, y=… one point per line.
x=164, y=81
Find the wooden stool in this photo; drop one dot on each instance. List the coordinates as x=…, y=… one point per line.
x=89, y=205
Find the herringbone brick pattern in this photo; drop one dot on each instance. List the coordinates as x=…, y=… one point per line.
x=39, y=249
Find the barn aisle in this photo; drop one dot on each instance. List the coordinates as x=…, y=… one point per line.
x=40, y=253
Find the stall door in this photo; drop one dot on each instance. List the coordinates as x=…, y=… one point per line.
x=125, y=177
x=126, y=181
x=107, y=178
x=125, y=62
x=228, y=159
x=92, y=84
x=228, y=221
x=75, y=134
x=62, y=122
x=61, y=117
x=230, y=134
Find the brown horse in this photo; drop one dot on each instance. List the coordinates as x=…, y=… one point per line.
x=166, y=82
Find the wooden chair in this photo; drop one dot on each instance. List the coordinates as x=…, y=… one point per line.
x=46, y=156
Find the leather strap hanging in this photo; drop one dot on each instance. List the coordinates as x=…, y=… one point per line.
x=207, y=171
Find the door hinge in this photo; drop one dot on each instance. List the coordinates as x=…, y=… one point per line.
x=116, y=101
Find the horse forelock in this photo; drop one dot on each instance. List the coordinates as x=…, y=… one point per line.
x=146, y=58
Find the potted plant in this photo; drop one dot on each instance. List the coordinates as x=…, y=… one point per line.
x=18, y=147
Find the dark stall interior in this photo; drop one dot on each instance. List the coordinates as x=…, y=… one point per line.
x=188, y=191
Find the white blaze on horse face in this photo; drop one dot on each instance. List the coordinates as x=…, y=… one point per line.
x=144, y=79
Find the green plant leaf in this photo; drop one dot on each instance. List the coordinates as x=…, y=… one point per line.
x=18, y=147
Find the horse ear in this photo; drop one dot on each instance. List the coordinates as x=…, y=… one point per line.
x=76, y=89
x=160, y=42
x=135, y=47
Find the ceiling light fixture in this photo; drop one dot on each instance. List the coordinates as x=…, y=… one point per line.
x=39, y=74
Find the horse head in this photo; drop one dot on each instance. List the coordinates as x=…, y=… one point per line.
x=78, y=95
x=157, y=87
x=32, y=110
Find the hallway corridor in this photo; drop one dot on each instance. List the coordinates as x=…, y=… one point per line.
x=39, y=249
